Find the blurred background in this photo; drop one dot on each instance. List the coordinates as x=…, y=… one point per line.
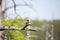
x=44, y=17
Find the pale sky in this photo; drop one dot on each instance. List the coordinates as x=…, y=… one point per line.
x=37, y=9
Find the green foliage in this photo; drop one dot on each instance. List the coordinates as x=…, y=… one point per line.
x=56, y=24
x=36, y=23
x=17, y=35
x=15, y=22
x=56, y=29
x=14, y=35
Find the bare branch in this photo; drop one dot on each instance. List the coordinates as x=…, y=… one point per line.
x=13, y=7
x=0, y=2
x=13, y=28
x=30, y=7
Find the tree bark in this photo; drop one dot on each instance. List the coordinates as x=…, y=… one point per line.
x=1, y=16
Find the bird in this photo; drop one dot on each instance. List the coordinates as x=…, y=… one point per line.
x=26, y=24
